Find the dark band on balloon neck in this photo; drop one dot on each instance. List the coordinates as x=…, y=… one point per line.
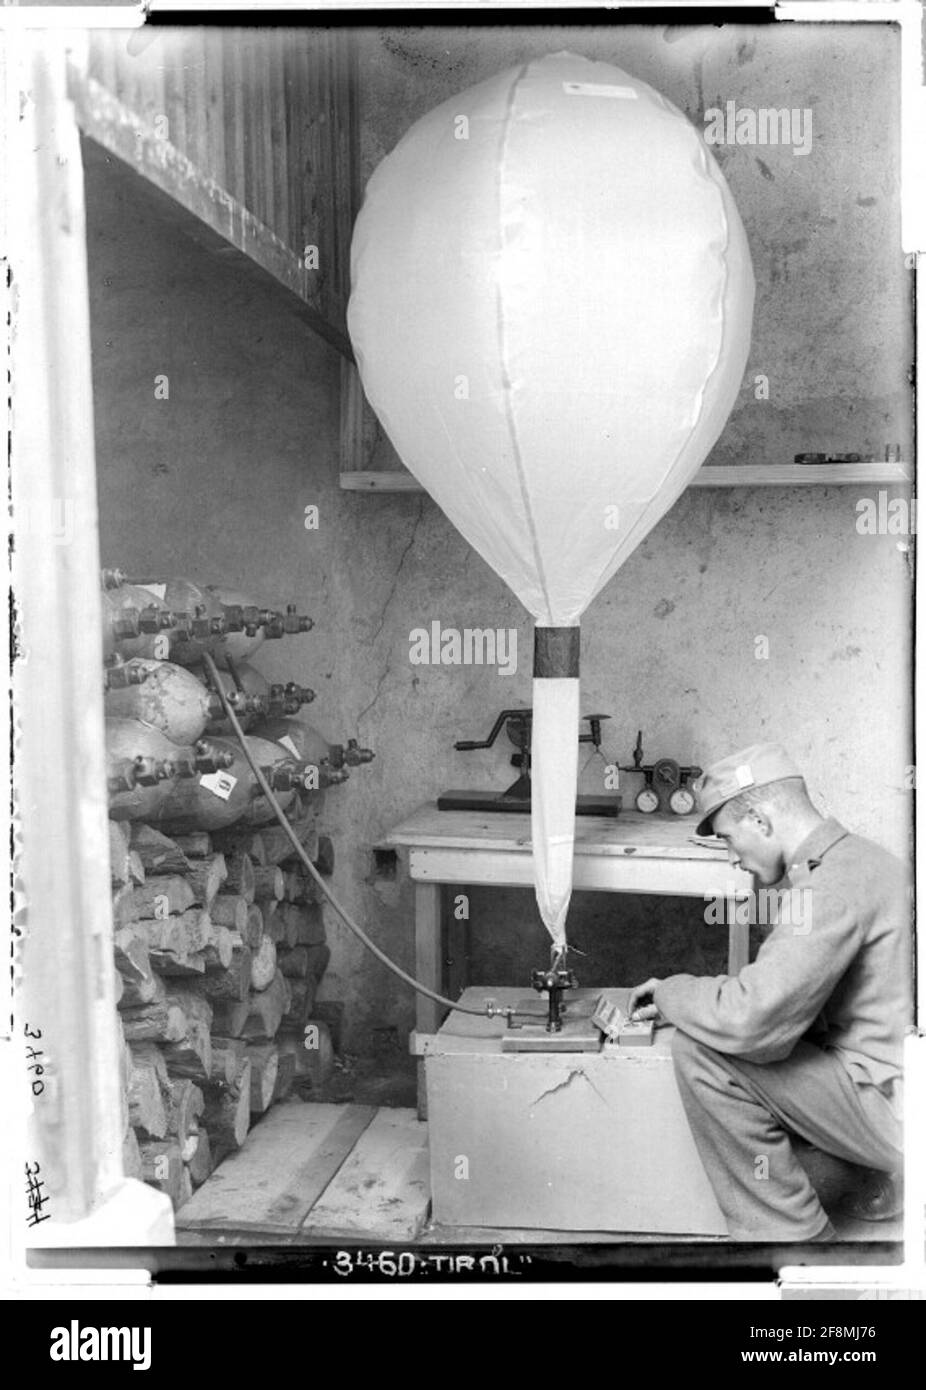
x=556, y=652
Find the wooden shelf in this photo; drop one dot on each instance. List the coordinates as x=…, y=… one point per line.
x=742, y=475
x=804, y=475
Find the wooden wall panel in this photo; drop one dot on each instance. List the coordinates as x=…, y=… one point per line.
x=278, y=213
x=174, y=84
x=194, y=101
x=267, y=120
x=292, y=108
x=214, y=100
x=233, y=114
x=260, y=113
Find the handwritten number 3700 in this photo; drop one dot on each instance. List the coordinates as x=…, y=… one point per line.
x=38, y=1085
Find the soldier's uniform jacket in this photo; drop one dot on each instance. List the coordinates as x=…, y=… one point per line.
x=839, y=972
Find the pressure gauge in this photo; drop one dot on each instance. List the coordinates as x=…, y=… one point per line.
x=666, y=775
x=682, y=801
x=647, y=801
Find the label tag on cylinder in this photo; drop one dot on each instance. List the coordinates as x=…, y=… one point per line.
x=221, y=784
x=598, y=89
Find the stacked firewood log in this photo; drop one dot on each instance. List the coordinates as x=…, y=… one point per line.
x=219, y=940
x=219, y=947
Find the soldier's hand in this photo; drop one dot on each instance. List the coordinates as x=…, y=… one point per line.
x=640, y=1006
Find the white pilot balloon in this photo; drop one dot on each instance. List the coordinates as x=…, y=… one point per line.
x=551, y=309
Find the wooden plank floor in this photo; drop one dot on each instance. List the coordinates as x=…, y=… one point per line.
x=285, y=1165
x=383, y=1191
x=313, y=1174
x=310, y=1172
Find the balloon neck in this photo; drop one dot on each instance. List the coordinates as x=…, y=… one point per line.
x=556, y=653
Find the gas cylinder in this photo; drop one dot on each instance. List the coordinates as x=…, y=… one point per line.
x=117, y=674
x=213, y=802
x=204, y=624
x=143, y=764
x=217, y=620
x=173, y=700
x=272, y=700
x=305, y=741
x=224, y=622
x=132, y=617
x=135, y=775
x=241, y=613
x=241, y=644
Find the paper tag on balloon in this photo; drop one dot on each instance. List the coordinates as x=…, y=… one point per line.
x=221, y=784
x=598, y=89
x=159, y=590
x=287, y=743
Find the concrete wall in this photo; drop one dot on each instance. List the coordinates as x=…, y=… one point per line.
x=214, y=484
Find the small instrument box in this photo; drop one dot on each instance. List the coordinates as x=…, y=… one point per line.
x=618, y=1029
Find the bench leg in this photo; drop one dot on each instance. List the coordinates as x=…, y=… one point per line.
x=428, y=969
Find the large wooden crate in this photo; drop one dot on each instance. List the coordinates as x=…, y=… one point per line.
x=593, y=1141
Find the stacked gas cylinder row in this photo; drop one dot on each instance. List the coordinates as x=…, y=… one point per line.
x=219, y=937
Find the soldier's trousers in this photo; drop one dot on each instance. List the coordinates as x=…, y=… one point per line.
x=742, y=1115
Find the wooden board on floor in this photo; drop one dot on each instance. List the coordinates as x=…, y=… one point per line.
x=383, y=1191
x=499, y=1236
x=234, y=1237
x=285, y=1165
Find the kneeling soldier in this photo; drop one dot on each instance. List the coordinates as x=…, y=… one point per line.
x=807, y=1040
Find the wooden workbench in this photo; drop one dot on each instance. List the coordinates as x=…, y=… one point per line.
x=631, y=853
